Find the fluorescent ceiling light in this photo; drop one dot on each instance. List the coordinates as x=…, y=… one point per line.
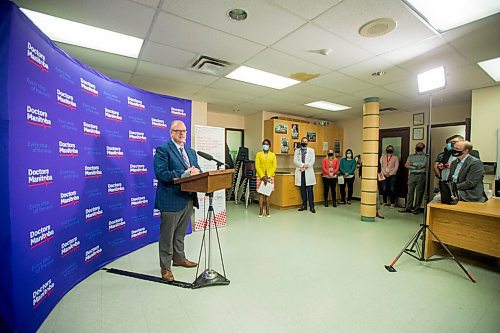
x=79, y=34
x=492, y=68
x=261, y=78
x=327, y=106
x=448, y=14
x=431, y=80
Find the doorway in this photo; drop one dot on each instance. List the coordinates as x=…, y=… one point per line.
x=399, y=138
x=235, y=138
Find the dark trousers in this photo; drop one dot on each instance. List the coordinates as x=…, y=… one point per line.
x=416, y=183
x=330, y=184
x=389, y=189
x=173, y=227
x=306, y=192
x=350, y=184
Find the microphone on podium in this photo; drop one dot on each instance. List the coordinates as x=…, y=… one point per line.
x=209, y=157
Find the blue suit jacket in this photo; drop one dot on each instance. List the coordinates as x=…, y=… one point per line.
x=169, y=164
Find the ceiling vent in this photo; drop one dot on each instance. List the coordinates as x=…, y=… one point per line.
x=377, y=28
x=210, y=65
x=388, y=110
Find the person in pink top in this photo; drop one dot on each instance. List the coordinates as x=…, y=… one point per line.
x=330, y=168
x=389, y=167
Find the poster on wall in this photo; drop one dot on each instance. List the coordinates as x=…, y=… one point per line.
x=311, y=136
x=210, y=140
x=284, y=145
x=295, y=131
x=296, y=145
x=336, y=145
x=281, y=128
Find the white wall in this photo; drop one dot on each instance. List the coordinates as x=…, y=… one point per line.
x=485, y=120
x=198, y=117
x=226, y=120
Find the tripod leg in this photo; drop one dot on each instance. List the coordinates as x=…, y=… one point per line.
x=452, y=256
x=220, y=249
x=390, y=267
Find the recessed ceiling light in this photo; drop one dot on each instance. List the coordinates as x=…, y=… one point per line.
x=378, y=73
x=261, y=78
x=327, y=106
x=492, y=68
x=74, y=33
x=237, y=14
x=377, y=28
x=431, y=80
x=444, y=15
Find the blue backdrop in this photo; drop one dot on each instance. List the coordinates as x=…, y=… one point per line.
x=77, y=172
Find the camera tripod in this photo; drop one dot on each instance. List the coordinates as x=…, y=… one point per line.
x=421, y=233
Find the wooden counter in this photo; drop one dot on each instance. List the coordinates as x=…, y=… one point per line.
x=469, y=225
x=286, y=194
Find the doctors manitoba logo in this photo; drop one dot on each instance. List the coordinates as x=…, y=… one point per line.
x=67, y=149
x=41, y=236
x=66, y=100
x=135, y=103
x=136, y=136
x=93, y=213
x=88, y=87
x=138, y=233
x=158, y=123
x=36, y=57
x=92, y=253
x=113, y=115
x=39, y=177
x=91, y=129
x=70, y=246
x=115, y=188
x=42, y=293
x=177, y=112
x=138, y=202
x=37, y=117
x=114, y=152
x=69, y=198
x=138, y=169
x=116, y=224
x=92, y=171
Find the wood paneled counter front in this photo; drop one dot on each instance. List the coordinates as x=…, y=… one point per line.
x=286, y=194
x=473, y=226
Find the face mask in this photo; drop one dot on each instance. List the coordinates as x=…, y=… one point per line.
x=265, y=147
x=457, y=153
x=389, y=151
x=349, y=155
x=419, y=149
x=303, y=144
x=448, y=146
x=330, y=154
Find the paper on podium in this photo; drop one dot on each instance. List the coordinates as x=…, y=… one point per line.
x=265, y=189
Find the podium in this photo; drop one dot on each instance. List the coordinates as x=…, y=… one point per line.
x=208, y=183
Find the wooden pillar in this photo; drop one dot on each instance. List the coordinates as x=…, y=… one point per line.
x=371, y=126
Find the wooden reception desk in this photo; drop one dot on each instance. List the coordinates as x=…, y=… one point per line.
x=286, y=194
x=469, y=225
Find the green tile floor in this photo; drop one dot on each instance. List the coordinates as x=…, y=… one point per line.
x=293, y=272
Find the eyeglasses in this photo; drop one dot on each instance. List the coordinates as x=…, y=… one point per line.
x=179, y=131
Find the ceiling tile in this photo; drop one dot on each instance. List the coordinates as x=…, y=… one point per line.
x=340, y=82
x=261, y=16
x=100, y=59
x=408, y=87
x=173, y=74
x=364, y=69
x=309, y=11
x=240, y=87
x=442, y=56
x=280, y=63
x=201, y=39
x=212, y=95
x=377, y=92
x=150, y=3
x=165, y=87
x=120, y=76
x=346, y=19
x=467, y=78
x=312, y=37
x=116, y=15
x=166, y=55
x=314, y=92
x=414, y=50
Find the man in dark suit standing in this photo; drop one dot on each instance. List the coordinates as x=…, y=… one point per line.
x=467, y=172
x=174, y=160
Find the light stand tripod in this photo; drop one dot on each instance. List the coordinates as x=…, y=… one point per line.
x=421, y=233
x=210, y=277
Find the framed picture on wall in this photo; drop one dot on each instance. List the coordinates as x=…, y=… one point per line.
x=418, y=119
x=295, y=131
x=311, y=136
x=296, y=145
x=281, y=128
x=418, y=133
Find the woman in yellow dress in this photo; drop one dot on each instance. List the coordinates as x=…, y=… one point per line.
x=265, y=167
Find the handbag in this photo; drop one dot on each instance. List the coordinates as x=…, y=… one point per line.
x=341, y=180
x=449, y=193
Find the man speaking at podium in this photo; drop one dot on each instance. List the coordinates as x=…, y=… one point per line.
x=174, y=160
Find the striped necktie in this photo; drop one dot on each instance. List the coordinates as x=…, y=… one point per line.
x=184, y=156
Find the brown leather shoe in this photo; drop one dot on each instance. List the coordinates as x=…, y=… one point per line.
x=185, y=263
x=166, y=275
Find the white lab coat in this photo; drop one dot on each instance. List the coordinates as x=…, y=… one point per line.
x=297, y=160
